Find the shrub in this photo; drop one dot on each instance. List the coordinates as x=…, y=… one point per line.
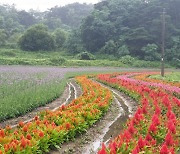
x=127, y=60
x=57, y=60
x=37, y=38
x=85, y=56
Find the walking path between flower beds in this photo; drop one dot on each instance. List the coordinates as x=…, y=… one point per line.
x=71, y=92
x=104, y=130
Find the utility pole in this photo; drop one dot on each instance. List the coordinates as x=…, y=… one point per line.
x=163, y=43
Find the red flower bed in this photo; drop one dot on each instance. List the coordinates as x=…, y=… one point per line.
x=50, y=128
x=155, y=126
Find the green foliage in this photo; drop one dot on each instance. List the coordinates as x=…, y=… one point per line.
x=85, y=56
x=57, y=61
x=127, y=60
x=23, y=96
x=71, y=14
x=37, y=38
x=3, y=37
x=109, y=48
x=123, y=51
x=74, y=43
x=172, y=77
x=135, y=24
x=151, y=52
x=60, y=37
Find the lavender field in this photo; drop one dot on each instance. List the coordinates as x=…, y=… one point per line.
x=24, y=88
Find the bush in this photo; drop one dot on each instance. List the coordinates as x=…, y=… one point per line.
x=8, y=53
x=127, y=60
x=37, y=38
x=57, y=61
x=85, y=56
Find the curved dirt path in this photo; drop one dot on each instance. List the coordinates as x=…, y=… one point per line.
x=72, y=91
x=104, y=130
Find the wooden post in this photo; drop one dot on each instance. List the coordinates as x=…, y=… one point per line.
x=163, y=43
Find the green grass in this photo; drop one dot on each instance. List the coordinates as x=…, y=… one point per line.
x=173, y=77
x=20, y=97
x=62, y=58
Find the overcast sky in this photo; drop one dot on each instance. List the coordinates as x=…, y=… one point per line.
x=42, y=5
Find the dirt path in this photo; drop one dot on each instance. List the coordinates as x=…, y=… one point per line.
x=71, y=92
x=104, y=130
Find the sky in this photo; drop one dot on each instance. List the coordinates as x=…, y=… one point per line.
x=42, y=5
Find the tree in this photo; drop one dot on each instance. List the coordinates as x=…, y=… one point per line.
x=150, y=52
x=3, y=37
x=60, y=37
x=37, y=38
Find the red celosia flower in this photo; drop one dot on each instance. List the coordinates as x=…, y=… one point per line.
x=148, y=137
x=141, y=142
x=68, y=126
x=164, y=149
x=2, y=134
x=169, y=139
x=131, y=128
x=28, y=137
x=112, y=147
x=21, y=124
x=36, y=118
x=23, y=142
x=136, y=150
x=158, y=110
x=25, y=128
x=152, y=128
x=155, y=120
x=103, y=150
x=41, y=134
x=127, y=135
x=171, y=126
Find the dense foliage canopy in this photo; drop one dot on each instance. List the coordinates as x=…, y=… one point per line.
x=135, y=25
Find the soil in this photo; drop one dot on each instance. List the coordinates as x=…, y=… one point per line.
x=104, y=130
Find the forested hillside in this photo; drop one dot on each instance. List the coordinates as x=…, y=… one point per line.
x=13, y=22
x=122, y=27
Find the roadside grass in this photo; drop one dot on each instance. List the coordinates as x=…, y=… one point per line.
x=172, y=77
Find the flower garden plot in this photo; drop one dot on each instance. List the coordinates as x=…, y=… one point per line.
x=49, y=129
x=155, y=126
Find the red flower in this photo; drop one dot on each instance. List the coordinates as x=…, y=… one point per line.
x=149, y=137
x=25, y=128
x=23, y=142
x=155, y=120
x=41, y=134
x=28, y=137
x=141, y=142
x=136, y=150
x=21, y=124
x=2, y=134
x=103, y=150
x=152, y=128
x=164, y=149
x=131, y=129
x=112, y=147
x=169, y=139
x=171, y=126
x=157, y=110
